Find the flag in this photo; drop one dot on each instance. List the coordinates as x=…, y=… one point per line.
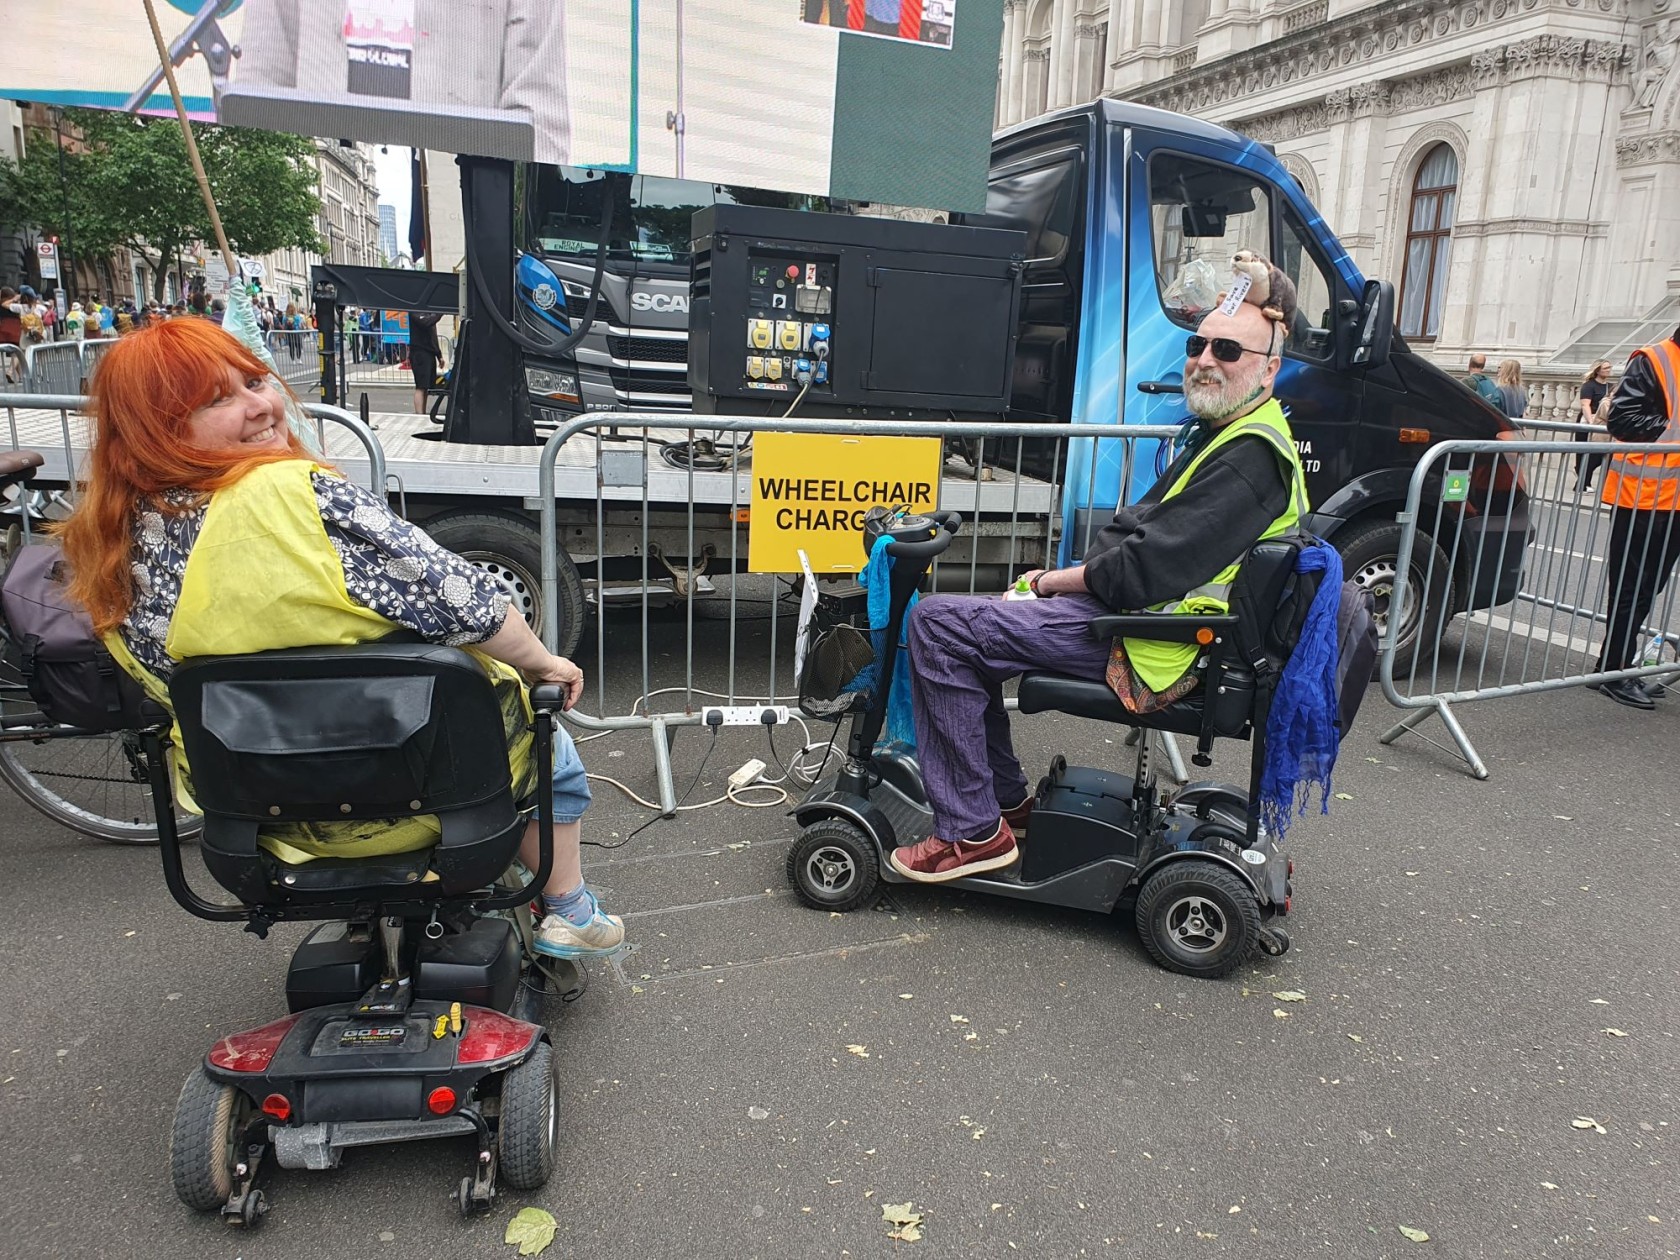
x=418, y=245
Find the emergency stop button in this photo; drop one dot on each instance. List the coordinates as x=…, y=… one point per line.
x=793, y=271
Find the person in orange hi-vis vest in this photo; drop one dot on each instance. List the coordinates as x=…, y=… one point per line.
x=1643, y=492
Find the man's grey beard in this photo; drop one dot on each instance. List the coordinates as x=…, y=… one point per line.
x=1209, y=401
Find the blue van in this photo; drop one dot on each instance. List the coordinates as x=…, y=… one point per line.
x=1132, y=215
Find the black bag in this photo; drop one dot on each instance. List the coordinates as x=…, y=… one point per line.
x=68, y=671
x=1270, y=616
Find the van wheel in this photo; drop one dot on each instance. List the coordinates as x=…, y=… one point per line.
x=509, y=549
x=1371, y=559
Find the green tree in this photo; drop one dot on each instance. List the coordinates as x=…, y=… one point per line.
x=134, y=187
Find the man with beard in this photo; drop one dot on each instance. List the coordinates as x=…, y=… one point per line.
x=1234, y=480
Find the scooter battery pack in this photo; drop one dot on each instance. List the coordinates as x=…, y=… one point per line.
x=1081, y=816
x=330, y=967
x=479, y=967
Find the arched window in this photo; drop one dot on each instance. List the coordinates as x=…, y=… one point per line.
x=1429, y=243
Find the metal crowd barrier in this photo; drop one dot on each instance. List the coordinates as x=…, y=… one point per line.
x=297, y=355
x=1548, y=636
x=371, y=360
x=621, y=448
x=53, y=367
x=57, y=426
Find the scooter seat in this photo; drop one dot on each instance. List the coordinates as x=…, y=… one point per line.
x=1044, y=692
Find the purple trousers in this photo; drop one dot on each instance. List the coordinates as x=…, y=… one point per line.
x=963, y=648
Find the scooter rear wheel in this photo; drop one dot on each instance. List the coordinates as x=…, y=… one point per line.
x=1198, y=919
x=530, y=1121
x=206, y=1142
x=834, y=866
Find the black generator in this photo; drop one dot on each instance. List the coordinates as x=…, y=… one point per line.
x=848, y=315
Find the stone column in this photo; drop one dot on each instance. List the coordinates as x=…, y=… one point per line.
x=1120, y=13
x=1066, y=49
x=1013, y=19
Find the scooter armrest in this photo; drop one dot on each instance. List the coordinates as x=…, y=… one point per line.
x=1165, y=627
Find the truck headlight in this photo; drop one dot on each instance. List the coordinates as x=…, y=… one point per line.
x=560, y=385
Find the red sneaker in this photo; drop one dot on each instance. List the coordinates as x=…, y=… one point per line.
x=1018, y=817
x=936, y=861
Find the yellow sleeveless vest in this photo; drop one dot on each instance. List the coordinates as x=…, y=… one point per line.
x=1161, y=664
x=262, y=576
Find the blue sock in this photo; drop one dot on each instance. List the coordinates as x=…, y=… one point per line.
x=576, y=907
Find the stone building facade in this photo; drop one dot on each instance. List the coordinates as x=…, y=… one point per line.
x=1512, y=165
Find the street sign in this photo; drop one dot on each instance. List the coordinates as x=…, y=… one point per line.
x=46, y=253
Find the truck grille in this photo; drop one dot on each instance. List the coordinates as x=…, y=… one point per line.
x=648, y=349
x=630, y=381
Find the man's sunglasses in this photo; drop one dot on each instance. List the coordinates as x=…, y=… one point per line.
x=1224, y=349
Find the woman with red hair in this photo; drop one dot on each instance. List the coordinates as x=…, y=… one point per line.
x=206, y=529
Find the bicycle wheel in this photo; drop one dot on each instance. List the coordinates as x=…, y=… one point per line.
x=94, y=784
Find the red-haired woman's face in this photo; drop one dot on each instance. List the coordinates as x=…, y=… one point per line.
x=247, y=412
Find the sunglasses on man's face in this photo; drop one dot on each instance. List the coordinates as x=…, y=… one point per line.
x=1224, y=349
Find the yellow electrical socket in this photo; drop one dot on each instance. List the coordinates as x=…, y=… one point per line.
x=788, y=334
x=760, y=334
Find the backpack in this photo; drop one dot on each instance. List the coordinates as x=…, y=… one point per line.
x=34, y=329
x=68, y=671
x=1271, y=613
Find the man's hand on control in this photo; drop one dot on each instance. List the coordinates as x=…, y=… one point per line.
x=1047, y=582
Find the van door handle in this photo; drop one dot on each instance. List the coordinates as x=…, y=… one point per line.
x=1160, y=387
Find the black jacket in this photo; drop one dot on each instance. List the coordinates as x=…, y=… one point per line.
x=1154, y=551
x=1637, y=410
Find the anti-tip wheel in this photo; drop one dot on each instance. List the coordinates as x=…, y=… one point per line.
x=834, y=866
x=1198, y=919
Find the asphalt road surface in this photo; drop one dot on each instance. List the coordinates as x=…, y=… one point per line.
x=1486, y=1051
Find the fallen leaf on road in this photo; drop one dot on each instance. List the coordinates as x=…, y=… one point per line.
x=1547, y=1185
x=1279, y=1013
x=959, y=1019
x=757, y=1113
x=1233, y=1209
x=1356, y=1037
x=1206, y=1235
x=1563, y=817
x=906, y=996
x=1586, y=1122
x=532, y=1229
x=1599, y=1002
x=1416, y=1235
x=1613, y=1032
x=1414, y=872
x=862, y=1052
x=1290, y=995
x=906, y=1222
x=1655, y=1220
x=1344, y=796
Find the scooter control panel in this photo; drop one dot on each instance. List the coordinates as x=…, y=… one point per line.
x=789, y=329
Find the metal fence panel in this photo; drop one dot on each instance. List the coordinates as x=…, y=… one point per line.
x=702, y=659
x=1549, y=634
x=54, y=367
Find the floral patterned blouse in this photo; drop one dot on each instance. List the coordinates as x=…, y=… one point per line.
x=390, y=566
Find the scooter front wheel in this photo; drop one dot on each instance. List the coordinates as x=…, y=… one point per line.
x=834, y=866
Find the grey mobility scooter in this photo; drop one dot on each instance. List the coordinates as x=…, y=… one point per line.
x=414, y=1007
x=1208, y=883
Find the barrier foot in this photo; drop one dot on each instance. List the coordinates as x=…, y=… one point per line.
x=662, y=766
x=1449, y=719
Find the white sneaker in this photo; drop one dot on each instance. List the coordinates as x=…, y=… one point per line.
x=559, y=937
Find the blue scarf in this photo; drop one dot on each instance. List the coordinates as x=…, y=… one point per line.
x=1301, y=730
x=900, y=728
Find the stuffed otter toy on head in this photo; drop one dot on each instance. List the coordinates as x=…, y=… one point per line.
x=1268, y=287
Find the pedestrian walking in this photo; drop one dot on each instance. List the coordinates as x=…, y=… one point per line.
x=1512, y=396
x=1592, y=406
x=11, y=333
x=1478, y=380
x=1643, y=493
x=75, y=323
x=423, y=356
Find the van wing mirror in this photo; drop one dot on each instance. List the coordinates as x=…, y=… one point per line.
x=1374, y=331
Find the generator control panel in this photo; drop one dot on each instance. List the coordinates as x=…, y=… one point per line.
x=841, y=313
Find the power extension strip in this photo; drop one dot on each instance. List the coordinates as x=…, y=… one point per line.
x=744, y=714
x=747, y=774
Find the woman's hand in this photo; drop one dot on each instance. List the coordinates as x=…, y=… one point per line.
x=562, y=672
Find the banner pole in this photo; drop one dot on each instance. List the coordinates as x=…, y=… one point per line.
x=192, y=144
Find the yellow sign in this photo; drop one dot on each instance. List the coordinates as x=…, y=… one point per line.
x=810, y=491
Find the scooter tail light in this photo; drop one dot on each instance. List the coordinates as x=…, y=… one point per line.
x=252, y=1050
x=441, y=1101
x=490, y=1035
x=277, y=1107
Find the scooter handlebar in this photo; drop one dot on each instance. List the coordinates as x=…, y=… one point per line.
x=949, y=524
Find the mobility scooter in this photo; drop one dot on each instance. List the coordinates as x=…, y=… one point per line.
x=413, y=1008
x=1209, y=883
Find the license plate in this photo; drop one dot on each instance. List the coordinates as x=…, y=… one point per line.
x=372, y=1036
